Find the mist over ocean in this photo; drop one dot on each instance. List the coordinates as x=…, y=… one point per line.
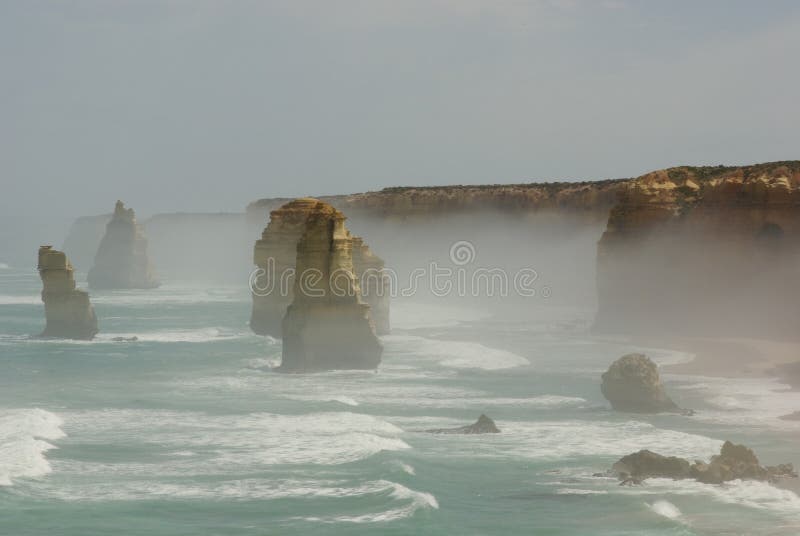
x=187, y=431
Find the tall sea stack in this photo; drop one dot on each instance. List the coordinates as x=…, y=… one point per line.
x=68, y=311
x=121, y=261
x=327, y=326
x=275, y=254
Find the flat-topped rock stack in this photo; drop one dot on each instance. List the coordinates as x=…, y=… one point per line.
x=121, y=261
x=327, y=326
x=276, y=253
x=68, y=311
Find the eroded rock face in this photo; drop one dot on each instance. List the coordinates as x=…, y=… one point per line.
x=702, y=251
x=484, y=425
x=648, y=464
x=734, y=462
x=327, y=326
x=121, y=261
x=275, y=254
x=632, y=384
x=68, y=311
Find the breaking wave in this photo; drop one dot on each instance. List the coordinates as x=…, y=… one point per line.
x=23, y=435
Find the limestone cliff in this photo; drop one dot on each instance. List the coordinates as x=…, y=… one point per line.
x=327, y=326
x=709, y=250
x=68, y=312
x=276, y=255
x=592, y=199
x=121, y=261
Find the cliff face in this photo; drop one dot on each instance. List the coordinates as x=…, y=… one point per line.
x=68, y=311
x=593, y=199
x=327, y=326
x=121, y=261
x=276, y=254
x=703, y=251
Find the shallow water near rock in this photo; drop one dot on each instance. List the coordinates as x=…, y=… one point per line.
x=187, y=431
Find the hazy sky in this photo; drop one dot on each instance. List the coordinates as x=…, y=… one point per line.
x=202, y=105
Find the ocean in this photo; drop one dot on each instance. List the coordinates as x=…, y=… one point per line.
x=187, y=431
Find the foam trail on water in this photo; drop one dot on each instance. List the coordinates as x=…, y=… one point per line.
x=665, y=509
x=416, y=500
x=456, y=354
x=20, y=299
x=22, y=443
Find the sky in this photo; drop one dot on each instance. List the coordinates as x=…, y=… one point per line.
x=201, y=105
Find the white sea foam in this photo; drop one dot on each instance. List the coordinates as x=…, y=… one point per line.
x=749, y=493
x=22, y=443
x=20, y=299
x=559, y=440
x=455, y=354
x=575, y=491
x=414, y=500
x=756, y=402
x=4, y=266
x=207, y=334
x=252, y=440
x=665, y=509
x=255, y=489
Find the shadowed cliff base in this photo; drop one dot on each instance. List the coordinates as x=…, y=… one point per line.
x=709, y=251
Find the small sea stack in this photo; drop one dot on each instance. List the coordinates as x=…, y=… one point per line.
x=68, y=311
x=121, y=261
x=327, y=326
x=632, y=384
x=484, y=425
x=275, y=256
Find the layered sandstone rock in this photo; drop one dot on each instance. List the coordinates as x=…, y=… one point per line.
x=121, y=261
x=711, y=251
x=327, y=326
x=593, y=198
x=734, y=462
x=68, y=311
x=276, y=254
x=632, y=384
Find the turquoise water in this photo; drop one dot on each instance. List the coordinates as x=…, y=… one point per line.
x=188, y=432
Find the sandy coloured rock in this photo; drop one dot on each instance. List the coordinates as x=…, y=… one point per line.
x=68, y=311
x=327, y=326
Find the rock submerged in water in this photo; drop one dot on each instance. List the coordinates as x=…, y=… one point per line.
x=632, y=384
x=734, y=462
x=327, y=326
x=68, y=311
x=484, y=425
x=121, y=261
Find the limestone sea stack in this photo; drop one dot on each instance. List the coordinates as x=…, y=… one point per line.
x=632, y=384
x=275, y=255
x=327, y=326
x=121, y=261
x=68, y=311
